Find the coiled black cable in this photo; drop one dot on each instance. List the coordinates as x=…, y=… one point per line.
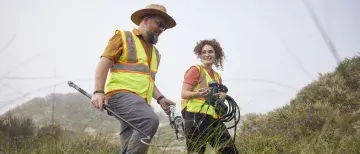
x=232, y=112
x=232, y=109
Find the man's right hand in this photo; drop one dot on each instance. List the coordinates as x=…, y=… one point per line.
x=97, y=100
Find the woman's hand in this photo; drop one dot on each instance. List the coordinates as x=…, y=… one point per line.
x=221, y=95
x=203, y=92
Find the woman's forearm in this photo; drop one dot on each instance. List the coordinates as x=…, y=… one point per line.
x=186, y=94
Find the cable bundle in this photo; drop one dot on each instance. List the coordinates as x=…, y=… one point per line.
x=228, y=112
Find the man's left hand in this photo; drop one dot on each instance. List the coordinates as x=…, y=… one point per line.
x=164, y=103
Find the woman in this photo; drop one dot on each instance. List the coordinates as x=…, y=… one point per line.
x=201, y=120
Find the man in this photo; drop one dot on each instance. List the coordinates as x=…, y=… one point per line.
x=133, y=61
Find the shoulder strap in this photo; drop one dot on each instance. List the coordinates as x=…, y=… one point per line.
x=201, y=73
x=132, y=56
x=157, y=55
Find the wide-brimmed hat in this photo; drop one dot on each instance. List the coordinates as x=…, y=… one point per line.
x=155, y=9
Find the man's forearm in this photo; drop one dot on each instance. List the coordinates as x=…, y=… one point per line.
x=100, y=77
x=101, y=73
x=156, y=93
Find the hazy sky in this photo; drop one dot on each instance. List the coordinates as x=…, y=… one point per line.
x=265, y=42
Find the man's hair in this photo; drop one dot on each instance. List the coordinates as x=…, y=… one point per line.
x=219, y=53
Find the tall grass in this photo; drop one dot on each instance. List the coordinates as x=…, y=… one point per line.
x=19, y=135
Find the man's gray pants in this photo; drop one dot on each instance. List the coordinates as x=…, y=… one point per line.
x=136, y=111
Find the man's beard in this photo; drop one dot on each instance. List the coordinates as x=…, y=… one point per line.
x=152, y=38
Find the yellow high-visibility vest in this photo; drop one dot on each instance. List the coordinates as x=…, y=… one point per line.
x=194, y=105
x=131, y=71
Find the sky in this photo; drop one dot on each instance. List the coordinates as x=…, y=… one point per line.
x=272, y=48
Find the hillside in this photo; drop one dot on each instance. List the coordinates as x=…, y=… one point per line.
x=72, y=111
x=323, y=118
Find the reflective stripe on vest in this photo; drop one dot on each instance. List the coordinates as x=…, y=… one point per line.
x=133, y=68
x=131, y=57
x=194, y=105
x=131, y=71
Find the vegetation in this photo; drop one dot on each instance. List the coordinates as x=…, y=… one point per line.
x=20, y=135
x=322, y=118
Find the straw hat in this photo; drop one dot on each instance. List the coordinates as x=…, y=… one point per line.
x=153, y=9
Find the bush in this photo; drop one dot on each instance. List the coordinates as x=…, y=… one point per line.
x=16, y=132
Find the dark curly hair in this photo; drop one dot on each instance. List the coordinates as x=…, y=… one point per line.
x=219, y=53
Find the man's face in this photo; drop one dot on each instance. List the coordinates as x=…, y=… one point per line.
x=154, y=27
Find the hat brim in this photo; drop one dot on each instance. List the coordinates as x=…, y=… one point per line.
x=137, y=15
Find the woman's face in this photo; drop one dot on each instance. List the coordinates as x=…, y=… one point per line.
x=207, y=55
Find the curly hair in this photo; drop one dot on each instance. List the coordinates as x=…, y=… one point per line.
x=219, y=53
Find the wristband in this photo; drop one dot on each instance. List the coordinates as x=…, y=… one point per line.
x=158, y=100
x=99, y=91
